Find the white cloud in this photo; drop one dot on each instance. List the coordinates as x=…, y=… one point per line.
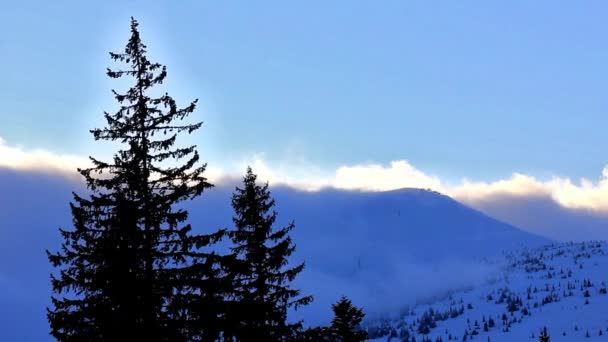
x=585, y=194
x=18, y=158
x=368, y=177
x=375, y=177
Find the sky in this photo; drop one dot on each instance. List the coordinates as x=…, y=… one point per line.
x=467, y=89
x=500, y=105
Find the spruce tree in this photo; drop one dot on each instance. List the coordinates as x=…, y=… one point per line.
x=126, y=268
x=544, y=335
x=263, y=293
x=345, y=325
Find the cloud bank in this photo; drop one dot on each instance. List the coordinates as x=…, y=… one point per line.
x=585, y=194
x=19, y=158
x=505, y=199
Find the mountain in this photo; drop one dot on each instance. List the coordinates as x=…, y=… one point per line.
x=382, y=249
x=411, y=223
x=560, y=287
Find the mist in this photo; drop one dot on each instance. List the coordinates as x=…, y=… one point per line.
x=540, y=214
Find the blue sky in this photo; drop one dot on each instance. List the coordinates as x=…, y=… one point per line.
x=458, y=88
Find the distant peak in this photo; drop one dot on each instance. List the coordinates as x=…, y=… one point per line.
x=416, y=191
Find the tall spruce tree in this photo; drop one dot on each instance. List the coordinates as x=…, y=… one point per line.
x=345, y=326
x=126, y=269
x=263, y=294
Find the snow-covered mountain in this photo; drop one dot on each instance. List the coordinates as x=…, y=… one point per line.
x=382, y=249
x=560, y=287
x=412, y=223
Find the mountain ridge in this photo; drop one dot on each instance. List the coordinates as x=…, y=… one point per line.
x=377, y=247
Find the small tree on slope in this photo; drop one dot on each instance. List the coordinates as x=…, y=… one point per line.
x=544, y=335
x=345, y=326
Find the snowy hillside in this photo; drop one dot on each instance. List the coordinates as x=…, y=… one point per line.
x=382, y=249
x=410, y=223
x=562, y=287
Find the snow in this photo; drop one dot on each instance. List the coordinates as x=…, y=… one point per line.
x=567, y=318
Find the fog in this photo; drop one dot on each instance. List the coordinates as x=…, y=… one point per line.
x=542, y=215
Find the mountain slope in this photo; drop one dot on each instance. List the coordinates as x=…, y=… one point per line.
x=382, y=249
x=562, y=287
x=413, y=223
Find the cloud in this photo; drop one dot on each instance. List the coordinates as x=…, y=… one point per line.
x=585, y=194
x=542, y=215
x=375, y=177
x=18, y=158
x=44, y=161
x=366, y=177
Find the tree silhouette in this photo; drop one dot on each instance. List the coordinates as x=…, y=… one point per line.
x=544, y=335
x=345, y=325
x=126, y=269
x=262, y=291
